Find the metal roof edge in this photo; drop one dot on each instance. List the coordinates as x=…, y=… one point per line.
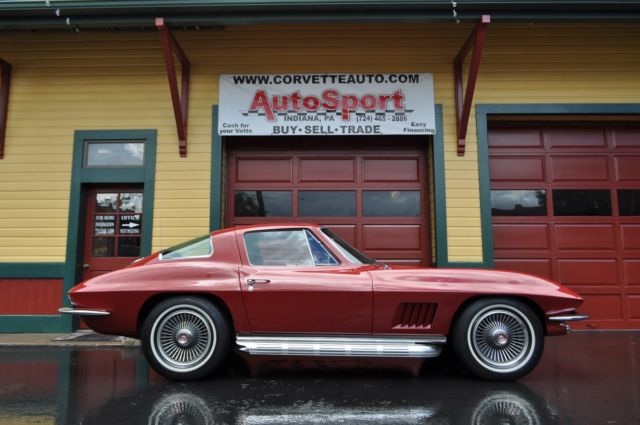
x=32, y=14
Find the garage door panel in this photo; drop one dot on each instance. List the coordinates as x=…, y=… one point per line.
x=327, y=170
x=520, y=236
x=403, y=237
x=346, y=232
x=602, y=307
x=400, y=262
x=261, y=170
x=515, y=137
x=631, y=272
x=575, y=137
x=391, y=170
x=585, y=237
x=541, y=267
x=517, y=169
x=630, y=236
x=633, y=305
x=579, y=169
x=627, y=169
x=587, y=271
x=627, y=137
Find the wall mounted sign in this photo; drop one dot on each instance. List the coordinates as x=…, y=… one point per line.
x=326, y=104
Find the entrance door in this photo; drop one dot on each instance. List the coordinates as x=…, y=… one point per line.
x=114, y=229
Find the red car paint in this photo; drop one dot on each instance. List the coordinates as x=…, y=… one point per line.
x=342, y=299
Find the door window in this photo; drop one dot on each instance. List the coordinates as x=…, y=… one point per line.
x=509, y=202
x=117, y=224
x=391, y=203
x=327, y=203
x=262, y=203
x=596, y=202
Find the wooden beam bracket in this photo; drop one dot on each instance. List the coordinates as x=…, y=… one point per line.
x=5, y=85
x=180, y=100
x=464, y=98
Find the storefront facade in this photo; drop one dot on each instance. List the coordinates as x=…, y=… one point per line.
x=92, y=174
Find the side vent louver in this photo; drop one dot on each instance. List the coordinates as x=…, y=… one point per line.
x=414, y=315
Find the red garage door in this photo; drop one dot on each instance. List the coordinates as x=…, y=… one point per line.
x=369, y=191
x=566, y=206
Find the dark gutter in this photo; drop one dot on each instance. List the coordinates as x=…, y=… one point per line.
x=30, y=14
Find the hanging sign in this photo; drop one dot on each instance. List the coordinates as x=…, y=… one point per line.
x=326, y=104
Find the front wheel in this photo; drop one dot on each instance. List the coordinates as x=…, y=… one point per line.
x=498, y=339
x=185, y=338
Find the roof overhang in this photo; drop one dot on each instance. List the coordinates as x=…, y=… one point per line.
x=42, y=14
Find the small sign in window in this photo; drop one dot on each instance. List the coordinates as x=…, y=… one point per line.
x=104, y=225
x=130, y=224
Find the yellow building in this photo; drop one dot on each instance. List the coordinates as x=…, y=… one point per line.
x=97, y=169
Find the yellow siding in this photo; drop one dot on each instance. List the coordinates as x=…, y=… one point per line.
x=87, y=81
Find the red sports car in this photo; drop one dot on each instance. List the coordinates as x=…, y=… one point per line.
x=301, y=290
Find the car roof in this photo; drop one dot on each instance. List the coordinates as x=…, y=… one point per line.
x=268, y=226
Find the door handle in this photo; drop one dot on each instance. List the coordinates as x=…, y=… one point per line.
x=252, y=282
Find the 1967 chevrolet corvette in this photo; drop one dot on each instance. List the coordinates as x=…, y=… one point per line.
x=301, y=290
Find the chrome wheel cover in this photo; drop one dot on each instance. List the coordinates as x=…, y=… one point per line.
x=501, y=338
x=183, y=338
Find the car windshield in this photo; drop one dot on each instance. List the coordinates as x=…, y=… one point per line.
x=347, y=250
x=198, y=247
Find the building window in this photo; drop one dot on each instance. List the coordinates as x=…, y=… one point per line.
x=327, y=203
x=519, y=202
x=262, y=203
x=629, y=201
x=113, y=154
x=391, y=203
x=594, y=202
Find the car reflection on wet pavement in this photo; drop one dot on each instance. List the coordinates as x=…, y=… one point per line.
x=585, y=378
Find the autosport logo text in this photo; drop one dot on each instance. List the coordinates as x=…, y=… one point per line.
x=330, y=100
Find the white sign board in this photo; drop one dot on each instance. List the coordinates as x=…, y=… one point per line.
x=326, y=104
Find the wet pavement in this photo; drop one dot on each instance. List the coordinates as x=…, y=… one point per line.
x=583, y=378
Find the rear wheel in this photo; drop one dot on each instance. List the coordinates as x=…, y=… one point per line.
x=498, y=339
x=185, y=338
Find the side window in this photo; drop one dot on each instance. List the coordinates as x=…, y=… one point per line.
x=321, y=256
x=278, y=248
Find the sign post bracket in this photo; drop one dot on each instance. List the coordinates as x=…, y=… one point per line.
x=464, y=98
x=180, y=100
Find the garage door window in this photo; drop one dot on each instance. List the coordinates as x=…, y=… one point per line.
x=518, y=202
x=391, y=203
x=327, y=203
x=581, y=202
x=262, y=203
x=629, y=201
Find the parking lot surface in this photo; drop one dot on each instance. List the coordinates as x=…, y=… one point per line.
x=583, y=378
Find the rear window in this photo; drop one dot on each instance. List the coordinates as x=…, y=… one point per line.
x=198, y=247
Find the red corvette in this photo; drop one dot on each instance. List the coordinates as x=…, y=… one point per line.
x=301, y=290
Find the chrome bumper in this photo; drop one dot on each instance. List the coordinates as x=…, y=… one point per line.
x=568, y=318
x=83, y=311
